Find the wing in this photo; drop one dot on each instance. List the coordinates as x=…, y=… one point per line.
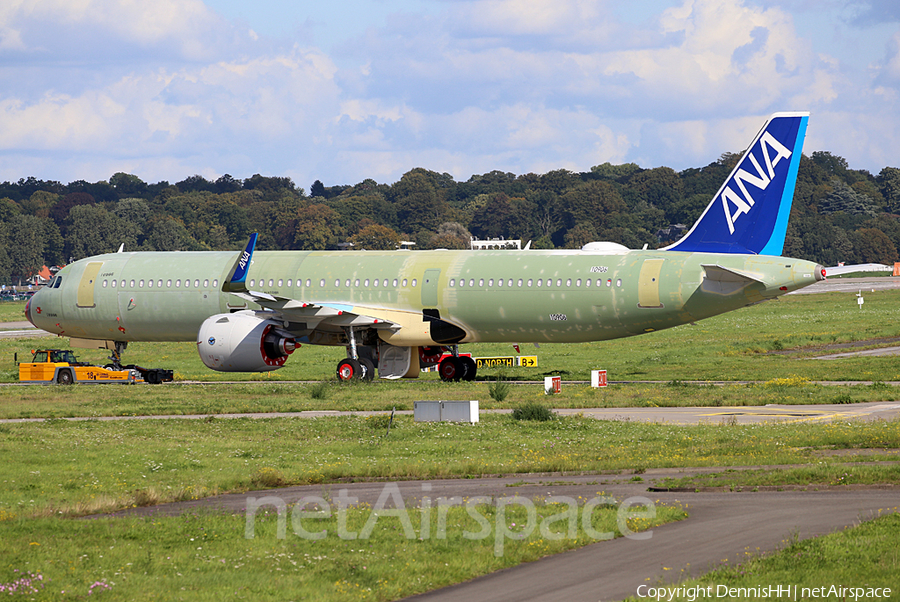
x=320, y=322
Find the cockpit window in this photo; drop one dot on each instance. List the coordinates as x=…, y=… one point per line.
x=58, y=282
x=62, y=355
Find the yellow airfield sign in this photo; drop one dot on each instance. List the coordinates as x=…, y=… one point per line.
x=524, y=361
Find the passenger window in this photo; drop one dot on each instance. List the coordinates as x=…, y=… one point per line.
x=414, y=282
x=618, y=282
x=356, y=282
x=559, y=282
x=529, y=282
x=308, y=282
x=281, y=283
x=578, y=282
x=178, y=283
x=196, y=284
x=462, y=282
x=499, y=282
x=366, y=283
x=271, y=283
x=206, y=283
x=149, y=284
x=123, y=284
x=471, y=282
x=519, y=283
x=159, y=283
x=587, y=282
x=141, y=284
x=481, y=282
x=404, y=282
x=608, y=283
x=337, y=283
x=395, y=283
x=540, y=281
x=453, y=282
x=105, y=282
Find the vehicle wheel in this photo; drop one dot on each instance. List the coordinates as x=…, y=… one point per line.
x=450, y=369
x=471, y=368
x=368, y=369
x=65, y=377
x=348, y=369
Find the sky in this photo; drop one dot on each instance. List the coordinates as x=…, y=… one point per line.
x=344, y=91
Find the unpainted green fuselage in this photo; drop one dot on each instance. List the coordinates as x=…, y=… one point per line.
x=493, y=296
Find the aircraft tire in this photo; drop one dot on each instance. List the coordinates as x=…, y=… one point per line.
x=471, y=368
x=368, y=369
x=348, y=369
x=450, y=369
x=65, y=377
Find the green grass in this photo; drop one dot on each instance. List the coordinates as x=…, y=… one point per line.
x=73, y=468
x=812, y=476
x=12, y=311
x=866, y=556
x=207, y=556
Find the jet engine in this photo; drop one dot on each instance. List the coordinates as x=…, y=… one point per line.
x=243, y=342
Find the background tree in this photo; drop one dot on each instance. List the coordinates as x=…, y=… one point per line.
x=376, y=237
x=889, y=183
x=451, y=235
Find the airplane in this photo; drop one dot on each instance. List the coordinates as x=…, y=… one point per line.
x=398, y=311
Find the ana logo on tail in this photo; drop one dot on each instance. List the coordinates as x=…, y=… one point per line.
x=760, y=180
x=749, y=213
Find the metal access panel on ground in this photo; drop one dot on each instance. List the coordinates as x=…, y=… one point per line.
x=446, y=411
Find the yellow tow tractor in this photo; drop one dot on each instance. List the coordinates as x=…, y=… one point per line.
x=60, y=366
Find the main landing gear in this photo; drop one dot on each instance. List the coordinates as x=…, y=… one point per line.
x=457, y=367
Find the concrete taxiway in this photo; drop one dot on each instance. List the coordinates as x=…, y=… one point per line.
x=683, y=415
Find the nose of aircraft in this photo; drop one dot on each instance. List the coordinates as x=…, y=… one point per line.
x=28, y=312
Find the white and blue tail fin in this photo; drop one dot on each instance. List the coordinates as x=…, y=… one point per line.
x=750, y=212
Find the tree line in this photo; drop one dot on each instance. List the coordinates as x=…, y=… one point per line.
x=839, y=214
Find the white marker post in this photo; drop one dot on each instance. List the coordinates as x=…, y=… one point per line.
x=598, y=378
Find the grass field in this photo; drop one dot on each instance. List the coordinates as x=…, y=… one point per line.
x=61, y=470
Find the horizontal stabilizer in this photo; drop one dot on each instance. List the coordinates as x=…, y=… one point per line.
x=725, y=281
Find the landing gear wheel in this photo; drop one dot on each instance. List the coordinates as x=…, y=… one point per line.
x=65, y=377
x=471, y=368
x=348, y=369
x=451, y=369
x=368, y=369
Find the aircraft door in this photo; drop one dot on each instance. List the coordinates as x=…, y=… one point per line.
x=430, y=287
x=648, y=284
x=85, y=296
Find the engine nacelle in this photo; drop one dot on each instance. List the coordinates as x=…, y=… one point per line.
x=243, y=342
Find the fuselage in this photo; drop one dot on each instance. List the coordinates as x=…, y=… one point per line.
x=493, y=296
